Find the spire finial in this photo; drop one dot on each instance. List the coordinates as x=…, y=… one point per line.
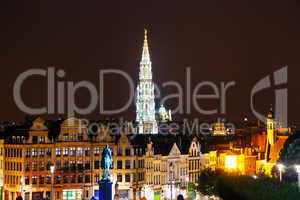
x=145, y=55
x=145, y=33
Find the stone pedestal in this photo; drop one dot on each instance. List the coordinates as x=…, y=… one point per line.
x=105, y=190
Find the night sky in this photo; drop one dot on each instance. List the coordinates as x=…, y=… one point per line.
x=240, y=41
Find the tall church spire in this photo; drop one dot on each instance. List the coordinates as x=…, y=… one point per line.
x=145, y=55
x=145, y=105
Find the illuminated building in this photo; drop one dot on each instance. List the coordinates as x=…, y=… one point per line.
x=274, y=141
x=141, y=162
x=210, y=160
x=145, y=105
x=164, y=115
x=13, y=168
x=249, y=152
x=219, y=128
x=171, y=165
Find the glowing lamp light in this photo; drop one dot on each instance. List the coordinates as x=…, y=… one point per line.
x=297, y=167
x=230, y=162
x=280, y=167
x=52, y=168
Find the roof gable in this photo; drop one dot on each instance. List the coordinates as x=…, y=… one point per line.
x=175, y=151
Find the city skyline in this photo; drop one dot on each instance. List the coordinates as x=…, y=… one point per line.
x=148, y=100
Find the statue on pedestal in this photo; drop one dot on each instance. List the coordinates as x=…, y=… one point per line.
x=106, y=163
x=105, y=184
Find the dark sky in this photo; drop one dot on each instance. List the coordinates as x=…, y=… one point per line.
x=240, y=41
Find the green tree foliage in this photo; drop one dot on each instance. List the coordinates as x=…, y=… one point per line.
x=289, y=156
x=208, y=182
x=246, y=188
x=191, y=190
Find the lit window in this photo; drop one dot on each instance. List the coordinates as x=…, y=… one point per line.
x=97, y=151
x=66, y=137
x=119, y=177
x=119, y=164
x=230, y=162
x=34, y=165
x=127, y=164
x=58, y=151
x=73, y=151
x=66, y=151
x=127, y=177
x=42, y=152
x=42, y=139
x=42, y=165
x=34, y=152
x=79, y=151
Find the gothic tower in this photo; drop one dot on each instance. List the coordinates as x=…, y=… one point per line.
x=145, y=105
x=271, y=137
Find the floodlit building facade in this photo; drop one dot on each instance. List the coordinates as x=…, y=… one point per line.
x=247, y=153
x=143, y=165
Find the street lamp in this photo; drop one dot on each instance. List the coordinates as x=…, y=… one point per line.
x=52, y=169
x=280, y=168
x=297, y=167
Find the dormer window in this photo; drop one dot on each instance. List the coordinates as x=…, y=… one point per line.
x=71, y=138
x=34, y=139
x=80, y=136
x=42, y=139
x=66, y=137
